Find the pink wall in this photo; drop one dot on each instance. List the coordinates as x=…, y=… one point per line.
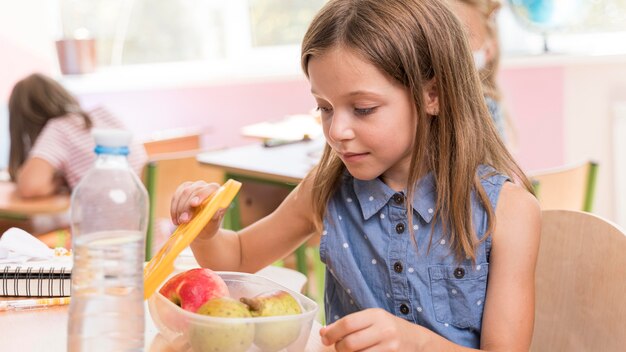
x=533, y=96
x=535, y=101
x=17, y=62
x=223, y=109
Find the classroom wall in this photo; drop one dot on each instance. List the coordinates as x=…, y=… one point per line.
x=537, y=113
x=222, y=109
x=533, y=99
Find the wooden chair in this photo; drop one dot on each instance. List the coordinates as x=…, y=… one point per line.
x=163, y=174
x=571, y=187
x=580, y=284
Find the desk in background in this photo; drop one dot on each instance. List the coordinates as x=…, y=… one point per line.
x=286, y=164
x=37, y=216
x=12, y=206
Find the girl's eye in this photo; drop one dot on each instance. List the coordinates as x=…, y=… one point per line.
x=324, y=110
x=363, y=111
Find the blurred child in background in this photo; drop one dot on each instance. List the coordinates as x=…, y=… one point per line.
x=479, y=19
x=51, y=143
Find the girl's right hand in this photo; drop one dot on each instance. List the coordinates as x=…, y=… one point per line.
x=187, y=198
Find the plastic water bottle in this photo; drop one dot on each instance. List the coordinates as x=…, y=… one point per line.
x=109, y=214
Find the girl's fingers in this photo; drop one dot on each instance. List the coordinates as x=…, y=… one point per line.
x=174, y=202
x=187, y=197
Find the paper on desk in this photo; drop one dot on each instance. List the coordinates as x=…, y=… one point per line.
x=291, y=128
x=19, y=246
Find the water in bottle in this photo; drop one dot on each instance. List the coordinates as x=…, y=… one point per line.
x=109, y=214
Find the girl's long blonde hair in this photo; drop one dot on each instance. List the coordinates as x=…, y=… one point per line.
x=33, y=102
x=415, y=41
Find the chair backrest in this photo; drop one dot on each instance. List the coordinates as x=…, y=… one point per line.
x=164, y=173
x=580, y=284
x=570, y=187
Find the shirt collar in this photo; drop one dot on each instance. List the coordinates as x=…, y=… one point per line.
x=375, y=194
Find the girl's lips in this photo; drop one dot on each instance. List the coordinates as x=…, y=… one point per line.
x=353, y=157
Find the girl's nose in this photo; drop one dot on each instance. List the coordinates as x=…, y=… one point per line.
x=341, y=128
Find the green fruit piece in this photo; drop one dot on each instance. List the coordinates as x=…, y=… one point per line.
x=274, y=303
x=223, y=336
x=274, y=336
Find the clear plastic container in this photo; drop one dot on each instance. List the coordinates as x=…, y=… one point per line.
x=188, y=331
x=109, y=213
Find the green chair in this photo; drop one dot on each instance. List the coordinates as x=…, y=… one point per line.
x=570, y=187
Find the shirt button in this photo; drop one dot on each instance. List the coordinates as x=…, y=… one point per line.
x=398, y=198
x=404, y=309
x=459, y=273
x=397, y=267
x=400, y=228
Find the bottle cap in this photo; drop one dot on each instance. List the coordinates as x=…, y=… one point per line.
x=111, y=141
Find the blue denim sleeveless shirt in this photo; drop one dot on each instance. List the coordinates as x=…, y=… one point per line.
x=372, y=262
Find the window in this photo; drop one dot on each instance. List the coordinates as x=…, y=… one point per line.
x=156, y=31
x=578, y=26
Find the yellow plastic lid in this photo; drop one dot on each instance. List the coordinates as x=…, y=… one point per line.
x=162, y=264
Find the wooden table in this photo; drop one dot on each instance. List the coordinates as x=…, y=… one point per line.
x=46, y=330
x=15, y=207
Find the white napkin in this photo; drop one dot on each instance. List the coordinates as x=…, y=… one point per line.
x=19, y=246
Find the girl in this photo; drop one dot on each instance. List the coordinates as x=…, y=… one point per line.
x=479, y=19
x=428, y=227
x=51, y=144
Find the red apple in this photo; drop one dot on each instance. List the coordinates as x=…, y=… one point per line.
x=192, y=288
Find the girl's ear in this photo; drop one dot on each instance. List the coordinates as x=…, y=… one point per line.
x=431, y=97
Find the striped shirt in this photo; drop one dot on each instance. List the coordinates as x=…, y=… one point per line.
x=68, y=146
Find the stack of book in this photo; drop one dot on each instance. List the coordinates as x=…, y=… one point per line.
x=30, y=268
x=51, y=278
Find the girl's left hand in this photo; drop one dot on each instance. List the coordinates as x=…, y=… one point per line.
x=372, y=329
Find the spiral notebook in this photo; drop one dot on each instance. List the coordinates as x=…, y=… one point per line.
x=51, y=278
